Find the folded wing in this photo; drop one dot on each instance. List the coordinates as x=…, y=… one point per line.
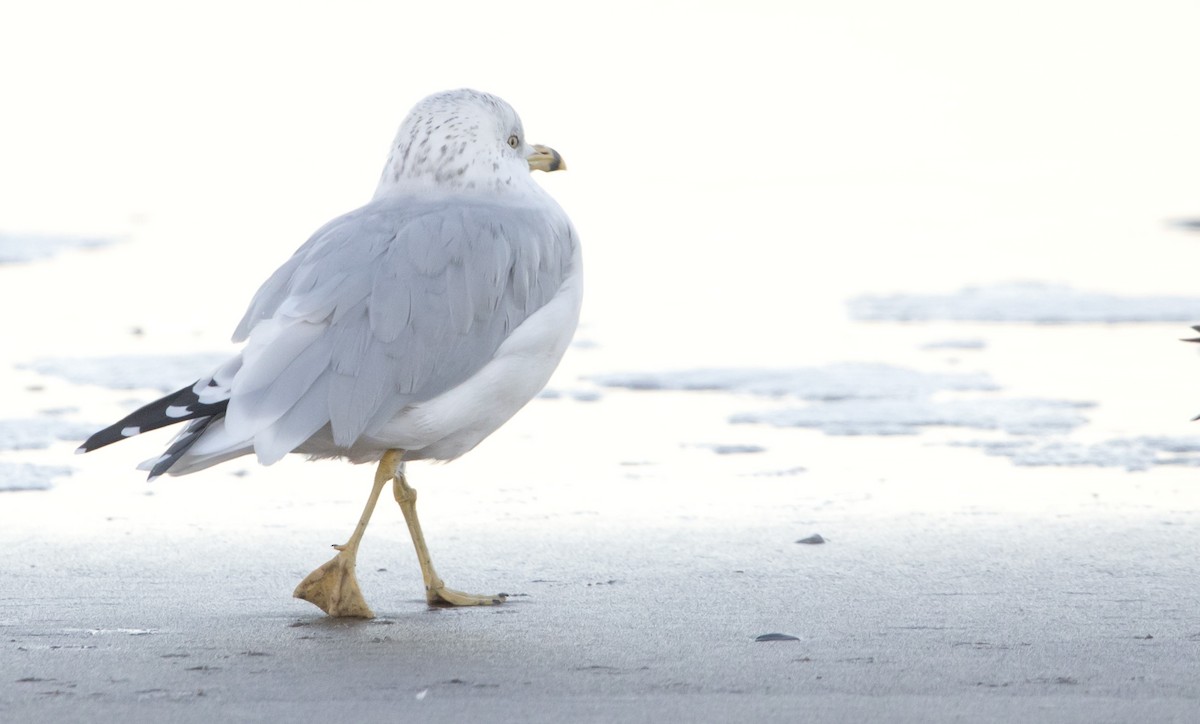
x=392, y=304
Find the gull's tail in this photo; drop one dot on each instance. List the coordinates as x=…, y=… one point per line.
x=203, y=403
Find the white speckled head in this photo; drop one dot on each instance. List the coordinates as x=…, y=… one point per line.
x=458, y=140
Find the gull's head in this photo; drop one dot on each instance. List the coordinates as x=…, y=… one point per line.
x=463, y=140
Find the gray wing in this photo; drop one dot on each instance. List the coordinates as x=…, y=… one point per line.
x=389, y=305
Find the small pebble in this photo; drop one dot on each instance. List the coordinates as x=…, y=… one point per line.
x=813, y=540
x=777, y=637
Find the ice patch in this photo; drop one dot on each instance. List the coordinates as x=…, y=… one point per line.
x=908, y=416
x=870, y=399
x=26, y=476
x=1025, y=302
x=19, y=248
x=576, y=395
x=852, y=380
x=164, y=373
x=38, y=433
x=955, y=344
x=732, y=449
x=1131, y=453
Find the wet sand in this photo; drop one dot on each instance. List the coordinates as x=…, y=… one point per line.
x=639, y=588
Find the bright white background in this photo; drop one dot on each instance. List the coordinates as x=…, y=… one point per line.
x=737, y=169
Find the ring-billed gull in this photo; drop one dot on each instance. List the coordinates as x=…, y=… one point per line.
x=411, y=328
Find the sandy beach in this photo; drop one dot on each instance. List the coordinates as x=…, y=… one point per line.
x=146, y=610
x=908, y=280
x=952, y=585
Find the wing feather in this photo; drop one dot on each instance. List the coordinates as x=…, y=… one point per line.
x=391, y=304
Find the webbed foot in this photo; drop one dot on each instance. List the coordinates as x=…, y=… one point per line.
x=333, y=588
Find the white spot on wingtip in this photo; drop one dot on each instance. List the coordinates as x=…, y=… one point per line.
x=177, y=410
x=421, y=694
x=80, y=450
x=212, y=395
x=130, y=431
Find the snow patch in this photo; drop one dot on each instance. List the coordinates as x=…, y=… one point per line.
x=955, y=344
x=23, y=248
x=1131, y=453
x=1025, y=302
x=732, y=449
x=908, y=417
x=870, y=399
x=851, y=380
x=576, y=395
x=39, y=433
x=26, y=476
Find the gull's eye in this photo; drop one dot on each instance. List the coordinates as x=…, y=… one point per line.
x=513, y=141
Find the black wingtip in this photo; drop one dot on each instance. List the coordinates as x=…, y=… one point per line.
x=190, y=435
x=179, y=406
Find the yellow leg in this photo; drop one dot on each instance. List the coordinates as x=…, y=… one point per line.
x=333, y=587
x=435, y=590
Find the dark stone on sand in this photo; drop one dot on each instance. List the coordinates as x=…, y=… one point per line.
x=777, y=637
